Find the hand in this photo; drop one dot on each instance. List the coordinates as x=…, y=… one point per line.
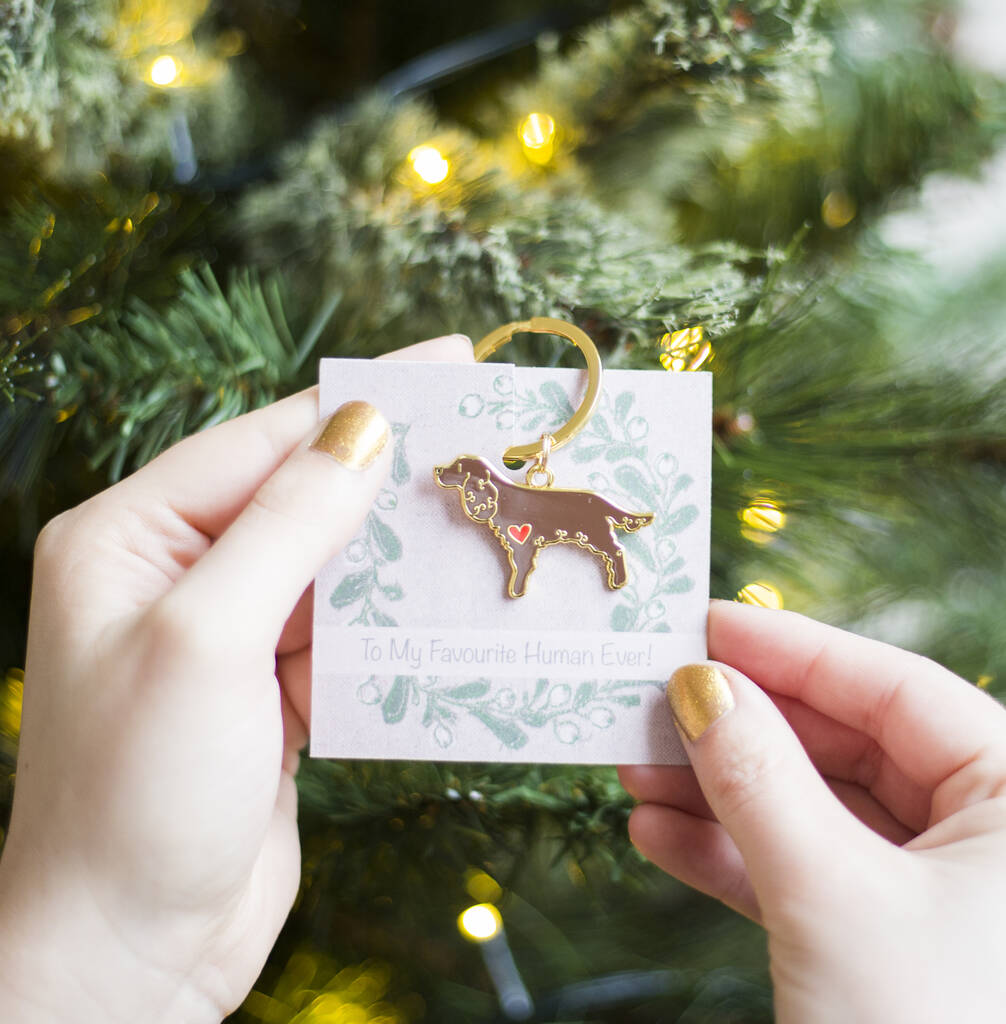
x=153, y=852
x=851, y=798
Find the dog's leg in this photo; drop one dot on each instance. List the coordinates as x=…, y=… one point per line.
x=617, y=574
x=522, y=560
x=603, y=538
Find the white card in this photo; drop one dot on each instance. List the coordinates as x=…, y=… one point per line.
x=419, y=652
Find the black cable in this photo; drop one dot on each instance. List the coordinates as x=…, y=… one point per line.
x=419, y=75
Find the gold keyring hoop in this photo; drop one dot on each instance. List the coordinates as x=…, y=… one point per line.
x=518, y=454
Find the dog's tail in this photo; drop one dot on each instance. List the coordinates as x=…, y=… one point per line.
x=630, y=521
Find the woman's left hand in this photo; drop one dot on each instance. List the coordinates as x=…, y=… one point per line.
x=153, y=852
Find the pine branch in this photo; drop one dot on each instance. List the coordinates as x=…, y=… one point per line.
x=486, y=248
x=74, y=86
x=146, y=377
x=716, y=54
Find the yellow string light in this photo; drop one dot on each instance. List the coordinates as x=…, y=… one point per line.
x=429, y=164
x=145, y=25
x=164, y=71
x=480, y=923
x=537, y=136
x=231, y=43
x=10, y=703
x=982, y=682
x=761, y=593
x=482, y=887
x=686, y=349
x=838, y=209
x=761, y=519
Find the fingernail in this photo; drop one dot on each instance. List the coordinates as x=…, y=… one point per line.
x=354, y=435
x=698, y=694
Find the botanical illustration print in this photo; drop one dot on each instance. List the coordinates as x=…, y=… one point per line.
x=571, y=711
x=614, y=445
x=379, y=546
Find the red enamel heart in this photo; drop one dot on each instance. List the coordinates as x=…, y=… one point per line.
x=520, y=533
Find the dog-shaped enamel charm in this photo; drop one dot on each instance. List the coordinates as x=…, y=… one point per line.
x=527, y=518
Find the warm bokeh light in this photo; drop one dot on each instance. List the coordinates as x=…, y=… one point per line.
x=231, y=42
x=537, y=136
x=838, y=209
x=686, y=349
x=430, y=164
x=762, y=517
x=480, y=923
x=482, y=887
x=11, y=694
x=765, y=595
x=164, y=70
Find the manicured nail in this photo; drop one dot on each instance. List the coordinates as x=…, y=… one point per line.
x=698, y=694
x=354, y=435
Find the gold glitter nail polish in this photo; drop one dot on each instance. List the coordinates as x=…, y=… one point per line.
x=698, y=694
x=354, y=435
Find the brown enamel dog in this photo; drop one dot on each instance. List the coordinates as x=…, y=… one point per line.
x=526, y=519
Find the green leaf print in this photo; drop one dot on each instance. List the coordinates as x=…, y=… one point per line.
x=505, y=730
x=638, y=550
x=373, y=548
x=677, y=521
x=397, y=702
x=557, y=398
x=630, y=479
x=622, y=405
x=385, y=538
x=622, y=618
x=351, y=589
x=469, y=691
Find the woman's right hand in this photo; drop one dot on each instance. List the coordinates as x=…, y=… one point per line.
x=851, y=797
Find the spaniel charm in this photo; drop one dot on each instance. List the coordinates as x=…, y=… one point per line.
x=525, y=519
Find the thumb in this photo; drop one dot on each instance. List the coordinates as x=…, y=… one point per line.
x=759, y=782
x=244, y=588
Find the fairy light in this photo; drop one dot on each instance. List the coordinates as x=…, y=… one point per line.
x=761, y=593
x=838, y=209
x=684, y=350
x=480, y=923
x=164, y=71
x=11, y=694
x=537, y=136
x=482, y=887
x=761, y=519
x=483, y=925
x=429, y=164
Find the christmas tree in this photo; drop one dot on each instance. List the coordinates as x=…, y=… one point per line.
x=199, y=200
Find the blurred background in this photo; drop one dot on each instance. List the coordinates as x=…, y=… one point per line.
x=200, y=198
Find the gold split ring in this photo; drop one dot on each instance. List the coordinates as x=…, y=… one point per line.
x=517, y=455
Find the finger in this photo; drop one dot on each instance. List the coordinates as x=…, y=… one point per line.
x=840, y=752
x=294, y=735
x=206, y=486
x=697, y=851
x=673, y=785
x=298, y=627
x=760, y=784
x=676, y=786
x=452, y=348
x=930, y=722
x=244, y=588
x=871, y=812
x=294, y=673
